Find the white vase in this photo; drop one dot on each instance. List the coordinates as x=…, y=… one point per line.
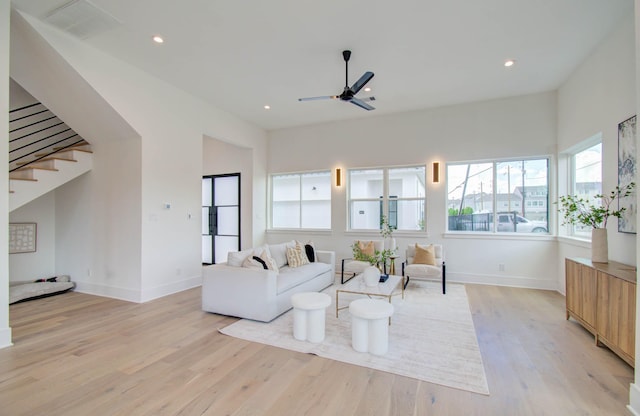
x=371, y=276
x=390, y=244
x=599, y=245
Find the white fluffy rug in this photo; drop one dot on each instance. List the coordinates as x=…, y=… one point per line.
x=431, y=337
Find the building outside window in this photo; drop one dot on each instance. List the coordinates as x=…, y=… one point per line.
x=396, y=192
x=301, y=200
x=500, y=196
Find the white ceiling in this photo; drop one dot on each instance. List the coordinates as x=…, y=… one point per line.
x=241, y=55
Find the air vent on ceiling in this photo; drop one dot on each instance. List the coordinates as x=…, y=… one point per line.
x=82, y=19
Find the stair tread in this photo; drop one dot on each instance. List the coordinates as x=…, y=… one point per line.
x=23, y=179
x=57, y=158
x=24, y=168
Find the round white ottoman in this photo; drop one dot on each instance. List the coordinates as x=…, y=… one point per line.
x=370, y=325
x=308, y=315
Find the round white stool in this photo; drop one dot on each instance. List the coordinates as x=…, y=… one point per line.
x=370, y=325
x=308, y=315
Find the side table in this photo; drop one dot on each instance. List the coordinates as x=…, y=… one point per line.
x=392, y=264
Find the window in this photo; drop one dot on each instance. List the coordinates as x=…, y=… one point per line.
x=501, y=196
x=301, y=200
x=398, y=193
x=586, y=175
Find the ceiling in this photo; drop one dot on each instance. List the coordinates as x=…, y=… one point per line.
x=242, y=55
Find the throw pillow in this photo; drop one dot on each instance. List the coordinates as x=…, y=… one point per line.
x=254, y=262
x=309, y=250
x=296, y=256
x=425, y=255
x=269, y=261
x=363, y=251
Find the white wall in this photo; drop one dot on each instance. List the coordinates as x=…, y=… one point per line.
x=597, y=96
x=5, y=330
x=163, y=165
x=513, y=127
x=41, y=263
x=634, y=389
x=219, y=158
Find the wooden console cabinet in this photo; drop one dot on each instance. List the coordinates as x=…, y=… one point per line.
x=602, y=297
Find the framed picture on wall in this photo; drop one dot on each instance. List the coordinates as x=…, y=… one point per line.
x=22, y=237
x=627, y=173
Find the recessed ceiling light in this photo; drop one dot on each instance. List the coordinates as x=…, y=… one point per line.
x=509, y=62
x=158, y=39
x=267, y=107
x=367, y=89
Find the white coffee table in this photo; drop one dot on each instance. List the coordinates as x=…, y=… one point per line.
x=383, y=290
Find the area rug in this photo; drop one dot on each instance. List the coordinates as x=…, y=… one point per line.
x=431, y=337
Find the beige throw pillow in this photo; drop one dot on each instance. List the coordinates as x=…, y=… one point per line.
x=425, y=255
x=368, y=249
x=296, y=256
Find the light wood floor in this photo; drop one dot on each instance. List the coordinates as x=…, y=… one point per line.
x=78, y=354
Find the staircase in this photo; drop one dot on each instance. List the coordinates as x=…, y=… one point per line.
x=44, y=153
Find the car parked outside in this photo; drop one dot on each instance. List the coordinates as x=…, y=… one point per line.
x=510, y=222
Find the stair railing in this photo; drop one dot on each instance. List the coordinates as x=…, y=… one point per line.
x=35, y=133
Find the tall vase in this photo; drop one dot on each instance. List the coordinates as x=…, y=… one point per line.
x=599, y=245
x=390, y=244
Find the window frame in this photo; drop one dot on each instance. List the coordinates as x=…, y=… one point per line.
x=300, y=200
x=571, y=154
x=493, y=231
x=386, y=200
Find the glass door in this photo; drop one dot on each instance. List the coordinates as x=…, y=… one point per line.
x=220, y=217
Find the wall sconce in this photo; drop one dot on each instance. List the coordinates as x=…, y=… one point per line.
x=436, y=172
x=338, y=177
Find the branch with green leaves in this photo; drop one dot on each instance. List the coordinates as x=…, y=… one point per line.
x=578, y=210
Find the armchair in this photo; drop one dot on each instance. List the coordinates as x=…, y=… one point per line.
x=351, y=266
x=425, y=271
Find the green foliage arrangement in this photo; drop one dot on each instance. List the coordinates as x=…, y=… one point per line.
x=378, y=258
x=576, y=210
x=385, y=229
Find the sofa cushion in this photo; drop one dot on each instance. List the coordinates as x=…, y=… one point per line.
x=236, y=258
x=291, y=277
x=279, y=252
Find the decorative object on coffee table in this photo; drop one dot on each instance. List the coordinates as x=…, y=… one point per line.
x=371, y=276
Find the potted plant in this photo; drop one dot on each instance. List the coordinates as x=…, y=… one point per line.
x=386, y=231
x=579, y=211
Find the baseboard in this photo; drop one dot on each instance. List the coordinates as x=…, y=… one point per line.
x=171, y=288
x=138, y=296
x=502, y=280
x=5, y=337
x=121, y=293
x=634, y=399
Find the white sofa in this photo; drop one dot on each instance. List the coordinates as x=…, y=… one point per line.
x=258, y=294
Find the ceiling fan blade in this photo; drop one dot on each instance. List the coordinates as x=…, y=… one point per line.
x=367, y=99
x=361, y=103
x=362, y=82
x=323, y=97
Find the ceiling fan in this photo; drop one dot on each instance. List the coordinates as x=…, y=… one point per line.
x=348, y=94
